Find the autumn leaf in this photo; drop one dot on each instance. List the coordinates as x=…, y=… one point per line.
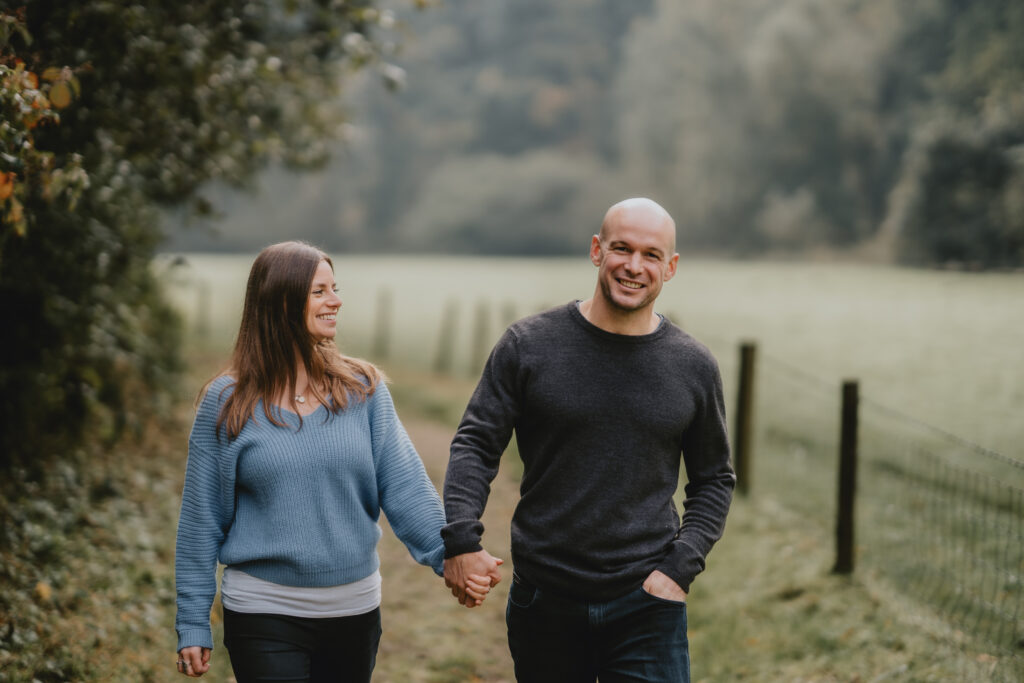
x=43, y=591
x=16, y=217
x=60, y=95
x=6, y=185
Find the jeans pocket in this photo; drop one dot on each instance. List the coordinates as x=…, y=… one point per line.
x=664, y=601
x=521, y=595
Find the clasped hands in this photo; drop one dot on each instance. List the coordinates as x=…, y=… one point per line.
x=471, y=576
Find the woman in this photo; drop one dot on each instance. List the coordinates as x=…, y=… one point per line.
x=294, y=452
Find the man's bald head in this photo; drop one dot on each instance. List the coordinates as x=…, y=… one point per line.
x=640, y=210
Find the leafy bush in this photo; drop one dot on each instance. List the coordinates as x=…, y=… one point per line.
x=137, y=106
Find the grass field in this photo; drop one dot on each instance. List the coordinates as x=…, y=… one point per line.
x=944, y=347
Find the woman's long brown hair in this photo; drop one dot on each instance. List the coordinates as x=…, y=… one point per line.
x=273, y=334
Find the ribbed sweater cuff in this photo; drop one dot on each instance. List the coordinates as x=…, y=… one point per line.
x=462, y=537
x=682, y=564
x=196, y=637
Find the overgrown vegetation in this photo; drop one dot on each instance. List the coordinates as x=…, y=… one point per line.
x=86, y=562
x=110, y=111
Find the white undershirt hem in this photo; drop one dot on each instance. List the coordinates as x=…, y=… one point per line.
x=241, y=592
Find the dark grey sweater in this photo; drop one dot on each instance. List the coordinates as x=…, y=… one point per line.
x=600, y=420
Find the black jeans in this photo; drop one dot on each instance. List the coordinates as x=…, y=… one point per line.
x=636, y=637
x=275, y=647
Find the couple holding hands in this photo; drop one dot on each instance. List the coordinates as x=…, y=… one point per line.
x=296, y=449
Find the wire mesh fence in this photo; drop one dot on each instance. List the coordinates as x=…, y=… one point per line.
x=944, y=519
x=938, y=517
x=796, y=417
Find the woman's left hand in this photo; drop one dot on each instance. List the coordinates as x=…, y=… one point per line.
x=194, y=661
x=477, y=587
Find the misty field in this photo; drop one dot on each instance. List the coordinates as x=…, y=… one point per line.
x=944, y=347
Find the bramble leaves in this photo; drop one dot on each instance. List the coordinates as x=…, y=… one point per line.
x=110, y=110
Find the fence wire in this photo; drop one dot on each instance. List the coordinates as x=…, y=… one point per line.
x=944, y=520
x=797, y=439
x=939, y=517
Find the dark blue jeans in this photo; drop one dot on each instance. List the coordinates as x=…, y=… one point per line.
x=275, y=647
x=636, y=637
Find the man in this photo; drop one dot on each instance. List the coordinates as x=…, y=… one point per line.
x=604, y=395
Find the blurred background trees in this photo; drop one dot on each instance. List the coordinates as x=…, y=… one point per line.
x=886, y=130
x=110, y=111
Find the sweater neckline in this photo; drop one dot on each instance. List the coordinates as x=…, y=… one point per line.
x=285, y=413
x=577, y=315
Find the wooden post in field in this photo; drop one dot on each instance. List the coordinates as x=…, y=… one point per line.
x=481, y=331
x=745, y=417
x=847, y=479
x=203, y=312
x=382, y=335
x=508, y=314
x=446, y=338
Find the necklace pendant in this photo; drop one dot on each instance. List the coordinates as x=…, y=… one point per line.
x=300, y=398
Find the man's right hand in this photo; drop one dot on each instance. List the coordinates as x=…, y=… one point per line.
x=458, y=569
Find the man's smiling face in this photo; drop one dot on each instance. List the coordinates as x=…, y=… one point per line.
x=635, y=256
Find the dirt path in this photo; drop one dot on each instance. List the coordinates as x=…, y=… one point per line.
x=428, y=636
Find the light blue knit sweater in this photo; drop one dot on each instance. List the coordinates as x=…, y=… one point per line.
x=298, y=507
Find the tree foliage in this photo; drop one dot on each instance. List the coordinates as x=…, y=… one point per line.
x=765, y=126
x=963, y=183
x=109, y=111
x=502, y=96
x=805, y=123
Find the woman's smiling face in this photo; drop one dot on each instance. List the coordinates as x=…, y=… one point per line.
x=323, y=304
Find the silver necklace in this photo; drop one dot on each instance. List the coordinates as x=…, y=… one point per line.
x=299, y=398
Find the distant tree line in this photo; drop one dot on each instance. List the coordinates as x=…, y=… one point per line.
x=109, y=111
x=891, y=129
x=895, y=126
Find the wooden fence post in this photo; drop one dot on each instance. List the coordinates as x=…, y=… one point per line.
x=508, y=314
x=481, y=338
x=203, y=316
x=847, y=479
x=446, y=339
x=381, y=338
x=745, y=416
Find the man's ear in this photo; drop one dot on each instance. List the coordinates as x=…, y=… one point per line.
x=670, y=272
x=595, y=250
